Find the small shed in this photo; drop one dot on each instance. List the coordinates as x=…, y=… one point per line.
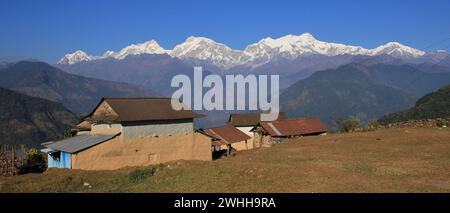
x=268, y=133
x=228, y=138
x=247, y=121
x=60, y=152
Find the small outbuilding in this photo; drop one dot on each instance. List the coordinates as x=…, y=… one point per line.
x=268, y=133
x=245, y=122
x=228, y=138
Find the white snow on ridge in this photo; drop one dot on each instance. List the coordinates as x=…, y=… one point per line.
x=75, y=57
x=264, y=51
x=149, y=47
x=397, y=49
x=205, y=49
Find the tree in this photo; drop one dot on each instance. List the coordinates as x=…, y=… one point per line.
x=35, y=162
x=349, y=124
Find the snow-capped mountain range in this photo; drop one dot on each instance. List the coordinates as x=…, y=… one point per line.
x=262, y=52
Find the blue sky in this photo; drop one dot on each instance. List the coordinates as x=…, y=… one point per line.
x=47, y=29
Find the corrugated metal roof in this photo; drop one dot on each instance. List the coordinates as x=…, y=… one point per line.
x=250, y=119
x=79, y=142
x=303, y=126
x=144, y=109
x=274, y=128
x=227, y=134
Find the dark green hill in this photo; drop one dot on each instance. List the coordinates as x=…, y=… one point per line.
x=432, y=105
x=365, y=91
x=30, y=121
x=77, y=93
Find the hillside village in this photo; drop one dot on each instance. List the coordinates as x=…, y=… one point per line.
x=129, y=132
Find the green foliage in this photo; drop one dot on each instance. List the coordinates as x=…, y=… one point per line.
x=347, y=90
x=68, y=133
x=372, y=125
x=440, y=123
x=431, y=106
x=349, y=124
x=29, y=121
x=138, y=175
x=35, y=162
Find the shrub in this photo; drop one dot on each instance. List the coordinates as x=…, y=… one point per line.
x=138, y=175
x=372, y=125
x=349, y=124
x=68, y=133
x=35, y=162
x=440, y=123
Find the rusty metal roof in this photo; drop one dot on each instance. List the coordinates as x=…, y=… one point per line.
x=290, y=127
x=249, y=119
x=214, y=140
x=144, y=109
x=227, y=134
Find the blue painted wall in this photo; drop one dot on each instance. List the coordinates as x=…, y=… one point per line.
x=64, y=162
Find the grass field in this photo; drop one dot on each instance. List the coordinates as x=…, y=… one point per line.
x=388, y=160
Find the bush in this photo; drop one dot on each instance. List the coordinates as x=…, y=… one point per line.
x=35, y=162
x=440, y=123
x=141, y=174
x=349, y=124
x=372, y=125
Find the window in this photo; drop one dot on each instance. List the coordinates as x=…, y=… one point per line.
x=56, y=156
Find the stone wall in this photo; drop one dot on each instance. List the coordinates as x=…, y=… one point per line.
x=438, y=122
x=131, y=130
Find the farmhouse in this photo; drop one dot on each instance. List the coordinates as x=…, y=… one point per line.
x=228, y=138
x=247, y=121
x=131, y=132
x=268, y=133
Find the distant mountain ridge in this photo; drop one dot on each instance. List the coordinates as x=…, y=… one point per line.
x=254, y=55
x=29, y=121
x=292, y=57
x=433, y=105
x=367, y=91
x=151, y=71
x=77, y=93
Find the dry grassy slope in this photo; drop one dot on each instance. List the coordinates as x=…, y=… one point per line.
x=391, y=160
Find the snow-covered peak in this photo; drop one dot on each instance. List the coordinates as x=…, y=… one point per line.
x=397, y=49
x=288, y=40
x=192, y=44
x=205, y=49
x=195, y=39
x=75, y=57
x=108, y=53
x=292, y=46
x=149, y=47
